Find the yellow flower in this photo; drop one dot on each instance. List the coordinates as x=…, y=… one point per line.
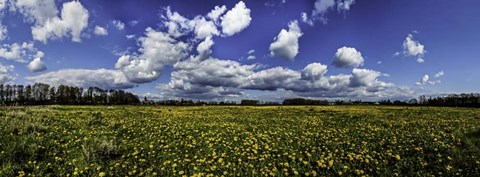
x=397, y=157
x=449, y=167
x=101, y=174
x=295, y=172
x=330, y=163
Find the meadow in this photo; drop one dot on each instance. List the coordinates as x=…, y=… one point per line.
x=239, y=141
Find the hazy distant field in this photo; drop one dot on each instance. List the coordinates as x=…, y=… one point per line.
x=241, y=141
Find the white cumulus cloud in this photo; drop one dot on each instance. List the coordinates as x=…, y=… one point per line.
x=322, y=7
x=344, y=5
x=365, y=77
x=233, y=21
x=348, y=57
x=439, y=74
x=100, y=31
x=102, y=78
x=216, y=13
x=285, y=45
x=6, y=77
x=250, y=55
x=157, y=49
x=426, y=80
x=203, y=48
x=314, y=71
x=236, y=19
x=411, y=47
x=215, y=78
x=118, y=24
x=36, y=65
x=3, y=32
x=306, y=19
x=19, y=52
x=204, y=28
x=72, y=21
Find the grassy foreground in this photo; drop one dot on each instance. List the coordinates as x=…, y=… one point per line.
x=240, y=141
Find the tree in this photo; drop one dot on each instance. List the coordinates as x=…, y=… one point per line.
x=28, y=93
x=20, y=94
x=52, y=95
x=2, y=94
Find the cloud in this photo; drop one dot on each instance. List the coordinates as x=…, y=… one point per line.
x=102, y=78
x=367, y=78
x=343, y=6
x=204, y=28
x=3, y=28
x=206, y=79
x=426, y=80
x=203, y=48
x=272, y=79
x=314, y=71
x=411, y=47
x=3, y=32
x=3, y=4
x=210, y=72
x=178, y=26
x=36, y=65
x=305, y=19
x=39, y=12
x=285, y=45
x=157, y=49
x=236, y=19
x=198, y=92
x=197, y=79
x=232, y=22
x=312, y=81
x=439, y=74
x=130, y=36
x=250, y=55
x=19, y=52
x=322, y=7
x=133, y=23
x=216, y=13
x=275, y=3
x=72, y=21
x=118, y=24
x=348, y=57
x=100, y=31
x=6, y=77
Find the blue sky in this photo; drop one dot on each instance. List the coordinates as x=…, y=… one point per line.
x=229, y=50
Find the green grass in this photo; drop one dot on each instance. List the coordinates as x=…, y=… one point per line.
x=240, y=141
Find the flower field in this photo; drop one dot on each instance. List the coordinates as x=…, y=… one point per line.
x=239, y=141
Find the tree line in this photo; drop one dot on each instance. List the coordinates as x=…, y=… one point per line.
x=453, y=100
x=43, y=94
